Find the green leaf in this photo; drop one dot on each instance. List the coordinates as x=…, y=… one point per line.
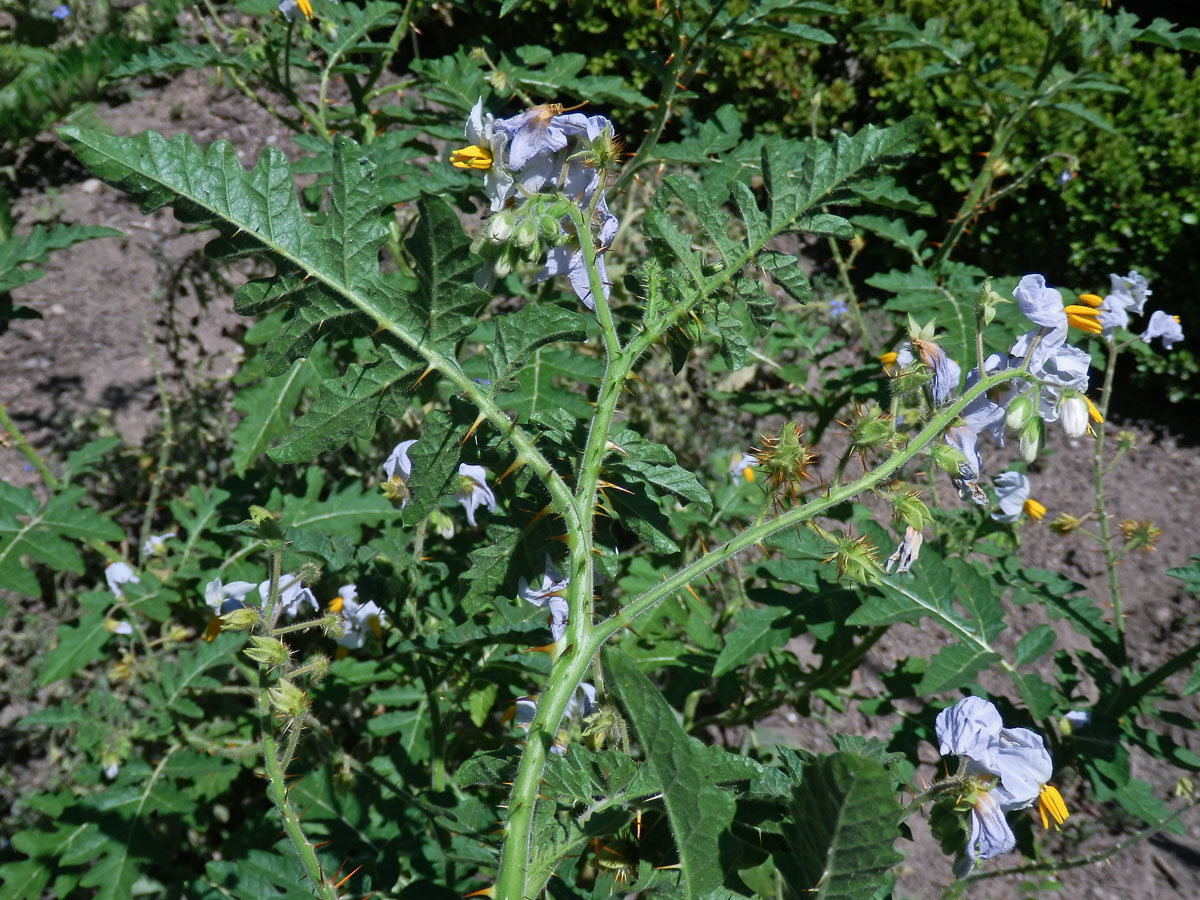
x=267, y=409
x=345, y=510
x=955, y=666
x=434, y=460
x=520, y=333
x=76, y=645
x=699, y=811
x=1033, y=644
x=175, y=56
x=846, y=822
x=757, y=631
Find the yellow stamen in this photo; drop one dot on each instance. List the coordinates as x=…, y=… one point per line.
x=1051, y=801
x=305, y=7
x=214, y=628
x=1092, y=300
x=335, y=605
x=1093, y=413
x=1177, y=319
x=1034, y=510
x=748, y=473
x=886, y=359
x=1084, y=318
x=472, y=157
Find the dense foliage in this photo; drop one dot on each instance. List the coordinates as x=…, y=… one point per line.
x=552, y=475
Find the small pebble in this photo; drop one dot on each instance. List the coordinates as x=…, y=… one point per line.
x=91, y=186
x=57, y=309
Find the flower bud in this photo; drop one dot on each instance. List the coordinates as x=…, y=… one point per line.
x=267, y=651
x=526, y=234
x=288, y=700
x=911, y=510
x=499, y=228
x=240, y=619
x=504, y=265
x=1020, y=411
x=550, y=231
x=1031, y=440
x=1073, y=413
x=872, y=430
x=947, y=458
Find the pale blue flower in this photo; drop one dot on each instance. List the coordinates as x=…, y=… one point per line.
x=1012, y=490
x=566, y=259
x=292, y=595
x=837, y=307
x=1128, y=294
x=1163, y=326
x=473, y=490
x=968, y=728
x=398, y=462
x=60, y=12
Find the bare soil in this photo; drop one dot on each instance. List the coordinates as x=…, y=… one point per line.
x=118, y=310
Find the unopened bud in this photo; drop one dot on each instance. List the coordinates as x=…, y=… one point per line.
x=288, y=700
x=499, y=228
x=1031, y=440
x=550, y=231
x=267, y=651
x=526, y=234
x=240, y=619
x=947, y=458
x=911, y=510
x=872, y=431
x=1020, y=411
x=1073, y=413
x=1065, y=524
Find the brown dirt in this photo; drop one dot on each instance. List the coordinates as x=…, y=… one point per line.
x=88, y=357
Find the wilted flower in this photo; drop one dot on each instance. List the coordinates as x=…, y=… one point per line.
x=1163, y=326
x=292, y=595
x=119, y=573
x=1012, y=496
x=1007, y=769
x=156, y=544
x=473, y=490
x=906, y=554
x=356, y=618
x=550, y=596
x=1128, y=294
x=563, y=260
x=966, y=442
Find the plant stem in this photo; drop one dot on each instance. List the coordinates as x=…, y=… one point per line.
x=1106, y=543
x=23, y=447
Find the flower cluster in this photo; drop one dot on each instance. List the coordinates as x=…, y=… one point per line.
x=551, y=596
x=356, y=618
x=1005, y=769
x=535, y=165
x=224, y=599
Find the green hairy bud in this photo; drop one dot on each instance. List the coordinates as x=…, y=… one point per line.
x=499, y=228
x=946, y=458
x=526, y=234
x=268, y=651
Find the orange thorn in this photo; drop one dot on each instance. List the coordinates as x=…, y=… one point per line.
x=422, y=378
x=471, y=430
x=347, y=878
x=516, y=464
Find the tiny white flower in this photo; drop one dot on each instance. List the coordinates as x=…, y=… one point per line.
x=156, y=544
x=741, y=466
x=473, y=490
x=118, y=627
x=119, y=573
x=110, y=770
x=398, y=468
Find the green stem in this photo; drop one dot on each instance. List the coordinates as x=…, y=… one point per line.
x=168, y=441
x=1106, y=542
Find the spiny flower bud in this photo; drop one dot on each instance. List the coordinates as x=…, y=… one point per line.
x=1065, y=524
x=240, y=619
x=604, y=152
x=268, y=651
x=288, y=700
x=947, y=458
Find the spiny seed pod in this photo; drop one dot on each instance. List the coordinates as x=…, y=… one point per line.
x=1141, y=535
x=855, y=559
x=872, y=430
x=1065, y=524
x=911, y=510
x=605, y=152
x=785, y=459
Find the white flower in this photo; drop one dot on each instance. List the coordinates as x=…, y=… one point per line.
x=473, y=491
x=581, y=705
x=1163, y=326
x=292, y=595
x=548, y=596
x=1012, y=490
x=225, y=598
x=111, y=770
x=357, y=618
x=398, y=468
x=1073, y=413
x=156, y=544
x=119, y=573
